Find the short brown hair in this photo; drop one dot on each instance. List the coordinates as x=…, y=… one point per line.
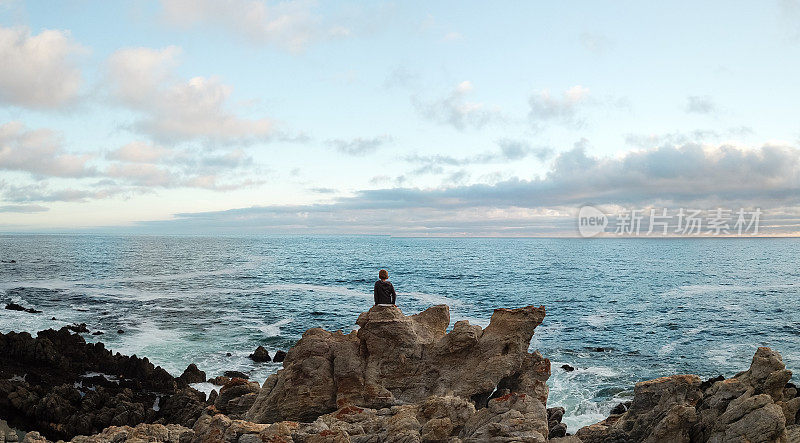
x=383, y=274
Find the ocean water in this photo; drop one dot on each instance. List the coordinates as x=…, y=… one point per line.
x=618, y=310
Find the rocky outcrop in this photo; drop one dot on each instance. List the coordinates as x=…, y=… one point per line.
x=395, y=359
x=754, y=406
x=61, y=386
x=236, y=397
x=260, y=355
x=193, y=375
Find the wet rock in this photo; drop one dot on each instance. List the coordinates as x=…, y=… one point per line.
x=16, y=307
x=260, y=355
x=236, y=374
x=395, y=358
x=61, y=386
x=120, y=331
x=219, y=380
x=662, y=410
x=707, y=384
x=279, y=356
x=193, y=375
x=236, y=397
x=97, y=333
x=567, y=368
x=620, y=408
x=559, y=430
x=78, y=328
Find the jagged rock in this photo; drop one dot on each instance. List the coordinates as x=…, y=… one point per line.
x=78, y=328
x=61, y=386
x=219, y=380
x=567, y=368
x=279, y=356
x=749, y=406
x=193, y=375
x=154, y=433
x=756, y=405
x=236, y=397
x=620, y=408
x=16, y=307
x=260, y=355
x=395, y=358
x=662, y=411
x=236, y=374
x=513, y=417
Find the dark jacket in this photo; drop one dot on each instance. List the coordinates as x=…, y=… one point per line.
x=384, y=293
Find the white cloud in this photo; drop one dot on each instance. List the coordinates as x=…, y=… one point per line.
x=139, y=152
x=360, y=145
x=546, y=108
x=177, y=110
x=291, y=25
x=39, y=152
x=455, y=110
x=38, y=71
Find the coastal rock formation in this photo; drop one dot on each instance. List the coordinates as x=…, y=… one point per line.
x=756, y=405
x=395, y=359
x=61, y=386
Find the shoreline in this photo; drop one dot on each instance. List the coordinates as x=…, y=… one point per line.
x=471, y=375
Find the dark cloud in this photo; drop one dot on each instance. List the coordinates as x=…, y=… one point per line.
x=687, y=175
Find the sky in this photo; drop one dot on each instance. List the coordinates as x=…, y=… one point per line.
x=397, y=118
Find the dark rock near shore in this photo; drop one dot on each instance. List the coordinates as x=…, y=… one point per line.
x=97, y=333
x=16, y=307
x=219, y=380
x=708, y=383
x=78, y=328
x=620, y=408
x=280, y=356
x=567, y=368
x=236, y=374
x=260, y=355
x=61, y=386
x=192, y=375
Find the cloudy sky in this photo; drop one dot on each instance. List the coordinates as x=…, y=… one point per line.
x=403, y=118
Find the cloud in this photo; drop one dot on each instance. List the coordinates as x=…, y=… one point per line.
x=175, y=110
x=690, y=175
x=545, y=108
x=360, y=145
x=40, y=153
x=25, y=209
x=39, y=192
x=700, y=104
x=38, y=71
x=509, y=150
x=679, y=138
x=290, y=25
x=139, y=152
x=455, y=110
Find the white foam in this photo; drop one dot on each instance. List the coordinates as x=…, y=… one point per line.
x=274, y=329
x=205, y=387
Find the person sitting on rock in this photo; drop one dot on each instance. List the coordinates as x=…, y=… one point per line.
x=384, y=291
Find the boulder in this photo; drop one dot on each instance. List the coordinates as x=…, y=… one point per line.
x=394, y=358
x=236, y=374
x=192, y=375
x=279, y=356
x=260, y=355
x=236, y=397
x=16, y=307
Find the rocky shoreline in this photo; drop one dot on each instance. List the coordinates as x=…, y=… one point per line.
x=397, y=378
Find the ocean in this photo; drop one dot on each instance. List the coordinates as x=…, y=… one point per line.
x=618, y=310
